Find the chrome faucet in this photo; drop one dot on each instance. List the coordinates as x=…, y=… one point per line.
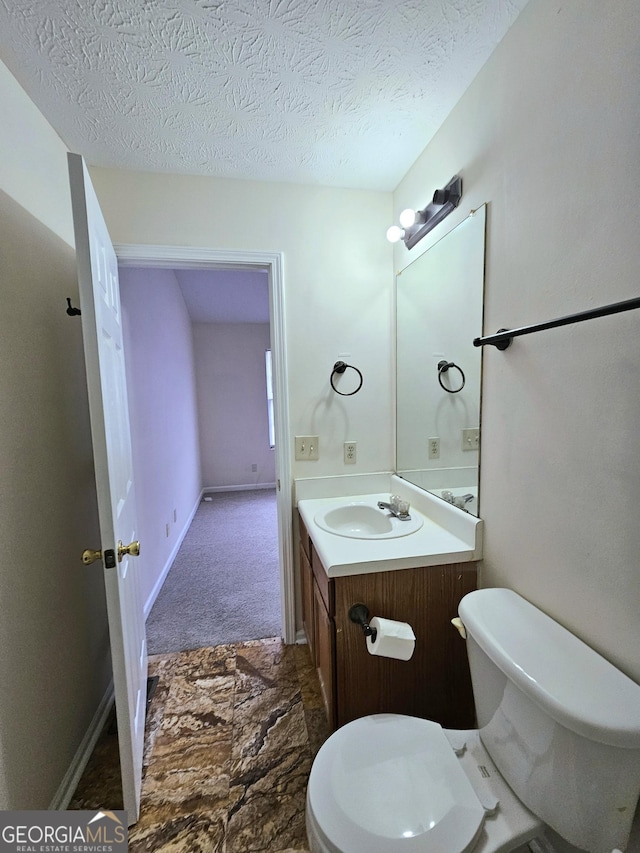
x=397, y=507
x=459, y=501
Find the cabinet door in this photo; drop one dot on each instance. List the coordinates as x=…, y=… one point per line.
x=306, y=583
x=325, y=654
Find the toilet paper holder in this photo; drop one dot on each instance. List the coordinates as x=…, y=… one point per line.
x=359, y=613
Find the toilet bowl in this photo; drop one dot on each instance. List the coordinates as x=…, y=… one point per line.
x=405, y=784
x=558, y=745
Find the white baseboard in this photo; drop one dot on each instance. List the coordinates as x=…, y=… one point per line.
x=301, y=637
x=167, y=566
x=67, y=787
x=239, y=488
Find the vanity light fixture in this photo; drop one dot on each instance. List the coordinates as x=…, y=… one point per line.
x=415, y=224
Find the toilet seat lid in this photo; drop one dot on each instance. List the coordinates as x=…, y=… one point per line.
x=388, y=783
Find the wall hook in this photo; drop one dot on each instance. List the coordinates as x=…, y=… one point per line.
x=340, y=367
x=72, y=312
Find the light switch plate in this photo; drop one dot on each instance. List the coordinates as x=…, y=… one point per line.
x=306, y=447
x=470, y=439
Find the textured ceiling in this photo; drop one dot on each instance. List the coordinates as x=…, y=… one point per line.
x=335, y=92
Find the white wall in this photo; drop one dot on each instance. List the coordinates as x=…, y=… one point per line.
x=338, y=295
x=33, y=166
x=548, y=136
x=54, y=641
x=232, y=403
x=159, y=353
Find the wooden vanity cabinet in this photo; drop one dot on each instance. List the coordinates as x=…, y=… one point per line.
x=325, y=654
x=317, y=620
x=306, y=586
x=434, y=684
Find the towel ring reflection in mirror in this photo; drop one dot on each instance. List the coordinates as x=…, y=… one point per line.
x=443, y=367
x=340, y=367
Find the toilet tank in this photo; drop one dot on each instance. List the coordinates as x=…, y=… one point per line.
x=561, y=723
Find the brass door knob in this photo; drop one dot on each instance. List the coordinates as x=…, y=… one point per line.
x=90, y=556
x=133, y=550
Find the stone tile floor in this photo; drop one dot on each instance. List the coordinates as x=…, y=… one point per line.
x=231, y=733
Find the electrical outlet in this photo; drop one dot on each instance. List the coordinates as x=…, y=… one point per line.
x=350, y=452
x=306, y=447
x=470, y=439
x=434, y=448
x=254, y=468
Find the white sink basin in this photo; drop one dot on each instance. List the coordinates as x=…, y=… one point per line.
x=360, y=520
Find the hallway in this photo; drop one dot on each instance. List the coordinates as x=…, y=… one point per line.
x=224, y=584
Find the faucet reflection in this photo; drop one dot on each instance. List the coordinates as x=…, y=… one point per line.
x=457, y=500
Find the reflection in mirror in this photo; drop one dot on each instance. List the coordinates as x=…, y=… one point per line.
x=439, y=300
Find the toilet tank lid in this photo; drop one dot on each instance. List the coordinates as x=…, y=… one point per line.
x=570, y=681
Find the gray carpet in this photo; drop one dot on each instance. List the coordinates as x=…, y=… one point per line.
x=224, y=585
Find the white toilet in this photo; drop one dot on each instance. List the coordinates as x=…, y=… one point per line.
x=558, y=744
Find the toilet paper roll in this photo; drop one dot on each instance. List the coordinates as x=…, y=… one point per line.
x=393, y=639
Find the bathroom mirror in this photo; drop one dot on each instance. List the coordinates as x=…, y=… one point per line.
x=439, y=299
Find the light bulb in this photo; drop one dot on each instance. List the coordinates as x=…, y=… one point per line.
x=408, y=218
x=394, y=234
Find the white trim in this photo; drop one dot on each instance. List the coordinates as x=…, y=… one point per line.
x=140, y=255
x=249, y=487
x=67, y=787
x=151, y=600
x=284, y=484
x=205, y=258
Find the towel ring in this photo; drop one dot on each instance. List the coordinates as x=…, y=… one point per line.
x=340, y=367
x=443, y=367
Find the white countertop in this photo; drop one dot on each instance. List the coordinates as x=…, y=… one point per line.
x=432, y=545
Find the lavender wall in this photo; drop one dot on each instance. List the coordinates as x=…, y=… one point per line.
x=232, y=404
x=164, y=428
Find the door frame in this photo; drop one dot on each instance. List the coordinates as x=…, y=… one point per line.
x=185, y=257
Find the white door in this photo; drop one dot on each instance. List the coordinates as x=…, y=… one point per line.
x=102, y=332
